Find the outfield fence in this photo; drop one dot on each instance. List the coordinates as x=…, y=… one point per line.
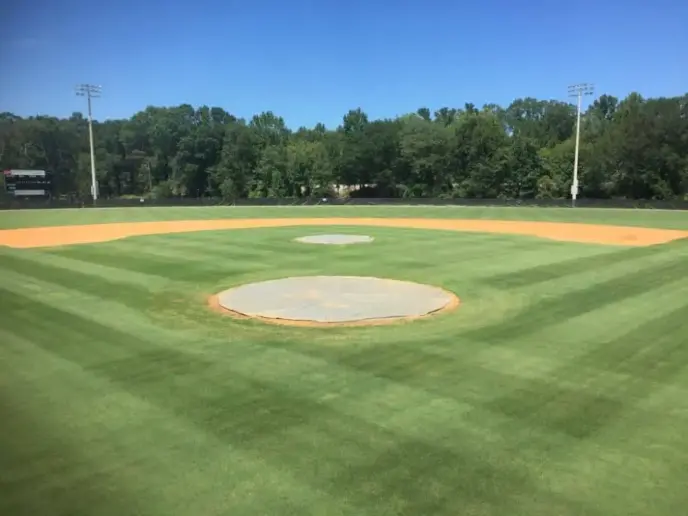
x=20, y=204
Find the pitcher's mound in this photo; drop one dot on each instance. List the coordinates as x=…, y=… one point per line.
x=328, y=300
x=335, y=239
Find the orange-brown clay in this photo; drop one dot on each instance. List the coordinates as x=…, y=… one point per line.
x=214, y=305
x=570, y=232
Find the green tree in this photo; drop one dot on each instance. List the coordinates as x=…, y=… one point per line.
x=632, y=147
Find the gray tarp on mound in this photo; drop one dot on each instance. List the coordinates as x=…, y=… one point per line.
x=335, y=239
x=334, y=299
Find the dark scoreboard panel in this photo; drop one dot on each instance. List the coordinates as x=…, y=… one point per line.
x=28, y=183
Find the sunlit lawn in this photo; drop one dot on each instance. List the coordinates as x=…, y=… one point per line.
x=560, y=386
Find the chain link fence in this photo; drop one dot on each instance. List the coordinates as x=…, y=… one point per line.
x=21, y=204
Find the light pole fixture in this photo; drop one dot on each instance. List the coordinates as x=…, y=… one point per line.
x=578, y=90
x=90, y=91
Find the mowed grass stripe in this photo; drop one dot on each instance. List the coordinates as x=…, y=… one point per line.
x=377, y=405
x=264, y=243
x=53, y=262
x=268, y=398
x=424, y=418
x=80, y=339
x=652, y=349
x=115, y=254
x=210, y=262
x=161, y=362
x=479, y=375
x=584, y=404
x=99, y=437
x=80, y=320
x=474, y=372
x=570, y=333
x=437, y=370
x=645, y=448
x=363, y=482
x=556, y=308
x=206, y=252
x=384, y=402
x=204, y=265
x=74, y=311
x=532, y=276
x=149, y=365
x=32, y=269
x=370, y=395
x=637, y=317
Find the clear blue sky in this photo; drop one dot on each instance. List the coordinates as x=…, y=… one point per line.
x=312, y=60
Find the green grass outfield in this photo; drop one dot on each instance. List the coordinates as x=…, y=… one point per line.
x=558, y=388
x=645, y=218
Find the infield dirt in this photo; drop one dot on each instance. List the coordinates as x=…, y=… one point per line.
x=585, y=233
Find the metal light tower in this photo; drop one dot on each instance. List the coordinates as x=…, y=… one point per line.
x=578, y=90
x=90, y=92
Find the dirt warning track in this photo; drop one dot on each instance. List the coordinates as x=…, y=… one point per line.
x=585, y=233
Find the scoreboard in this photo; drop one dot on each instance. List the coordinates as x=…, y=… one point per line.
x=28, y=183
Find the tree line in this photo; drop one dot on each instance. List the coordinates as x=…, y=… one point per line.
x=636, y=148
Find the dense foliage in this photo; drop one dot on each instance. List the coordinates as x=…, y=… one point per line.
x=634, y=148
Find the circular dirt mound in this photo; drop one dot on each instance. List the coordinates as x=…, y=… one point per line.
x=335, y=239
x=327, y=300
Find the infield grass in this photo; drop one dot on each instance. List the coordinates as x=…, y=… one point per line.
x=559, y=387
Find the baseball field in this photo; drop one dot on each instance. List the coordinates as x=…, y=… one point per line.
x=557, y=386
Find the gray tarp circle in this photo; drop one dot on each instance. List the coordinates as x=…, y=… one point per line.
x=335, y=299
x=335, y=239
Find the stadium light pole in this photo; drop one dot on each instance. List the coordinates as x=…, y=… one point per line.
x=578, y=90
x=90, y=91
